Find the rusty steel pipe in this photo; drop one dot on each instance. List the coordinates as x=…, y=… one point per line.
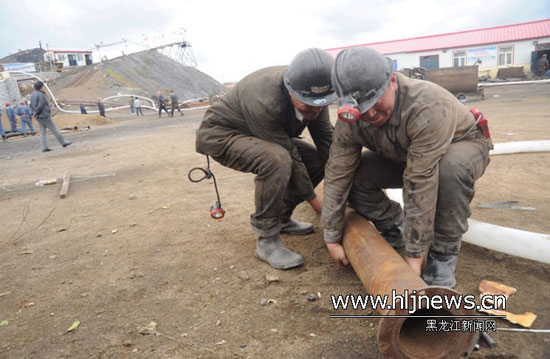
x=381, y=269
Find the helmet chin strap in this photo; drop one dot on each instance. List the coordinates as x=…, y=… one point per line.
x=299, y=115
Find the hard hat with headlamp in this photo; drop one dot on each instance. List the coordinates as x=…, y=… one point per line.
x=360, y=76
x=308, y=78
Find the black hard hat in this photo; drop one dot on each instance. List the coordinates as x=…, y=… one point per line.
x=360, y=76
x=308, y=77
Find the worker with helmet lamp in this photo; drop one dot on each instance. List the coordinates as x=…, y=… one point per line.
x=256, y=127
x=419, y=137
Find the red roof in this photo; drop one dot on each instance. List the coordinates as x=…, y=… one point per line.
x=55, y=51
x=490, y=35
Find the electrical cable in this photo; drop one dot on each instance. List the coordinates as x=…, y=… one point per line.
x=216, y=211
x=314, y=257
x=469, y=130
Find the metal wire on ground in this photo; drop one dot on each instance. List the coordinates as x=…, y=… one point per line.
x=320, y=261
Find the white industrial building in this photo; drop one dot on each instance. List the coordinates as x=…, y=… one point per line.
x=518, y=45
x=69, y=58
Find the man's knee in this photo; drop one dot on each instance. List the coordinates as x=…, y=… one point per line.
x=456, y=190
x=464, y=163
x=276, y=162
x=453, y=175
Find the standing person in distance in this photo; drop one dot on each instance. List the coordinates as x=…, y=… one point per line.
x=162, y=104
x=137, y=104
x=100, y=107
x=25, y=115
x=174, y=103
x=131, y=102
x=40, y=109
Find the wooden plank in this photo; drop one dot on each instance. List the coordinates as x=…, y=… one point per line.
x=65, y=186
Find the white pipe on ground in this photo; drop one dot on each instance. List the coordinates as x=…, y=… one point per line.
x=520, y=147
x=529, y=245
x=516, y=242
x=492, y=84
x=524, y=244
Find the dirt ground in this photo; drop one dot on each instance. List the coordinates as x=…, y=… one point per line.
x=64, y=121
x=133, y=243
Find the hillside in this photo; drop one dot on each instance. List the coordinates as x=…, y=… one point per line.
x=31, y=55
x=143, y=73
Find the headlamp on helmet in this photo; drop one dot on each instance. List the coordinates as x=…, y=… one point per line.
x=348, y=111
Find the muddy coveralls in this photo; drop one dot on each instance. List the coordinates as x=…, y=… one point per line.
x=174, y=105
x=254, y=128
x=413, y=150
x=101, y=108
x=162, y=105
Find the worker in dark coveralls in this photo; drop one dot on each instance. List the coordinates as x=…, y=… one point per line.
x=256, y=127
x=542, y=66
x=418, y=137
x=162, y=103
x=100, y=107
x=174, y=104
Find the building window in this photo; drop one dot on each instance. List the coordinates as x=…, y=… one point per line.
x=79, y=57
x=505, y=55
x=61, y=57
x=429, y=62
x=459, y=58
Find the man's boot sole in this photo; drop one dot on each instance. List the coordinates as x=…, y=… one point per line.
x=297, y=233
x=439, y=284
x=279, y=267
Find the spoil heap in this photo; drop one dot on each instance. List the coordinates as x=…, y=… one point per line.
x=31, y=55
x=143, y=73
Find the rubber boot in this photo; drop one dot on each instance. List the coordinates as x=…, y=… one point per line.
x=440, y=269
x=291, y=226
x=273, y=251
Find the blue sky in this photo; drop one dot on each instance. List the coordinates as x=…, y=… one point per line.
x=233, y=38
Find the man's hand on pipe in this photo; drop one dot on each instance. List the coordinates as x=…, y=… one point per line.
x=415, y=263
x=316, y=205
x=337, y=252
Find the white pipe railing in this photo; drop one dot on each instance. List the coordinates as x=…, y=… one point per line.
x=152, y=107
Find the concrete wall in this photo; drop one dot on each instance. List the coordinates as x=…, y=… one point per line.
x=9, y=92
x=488, y=53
